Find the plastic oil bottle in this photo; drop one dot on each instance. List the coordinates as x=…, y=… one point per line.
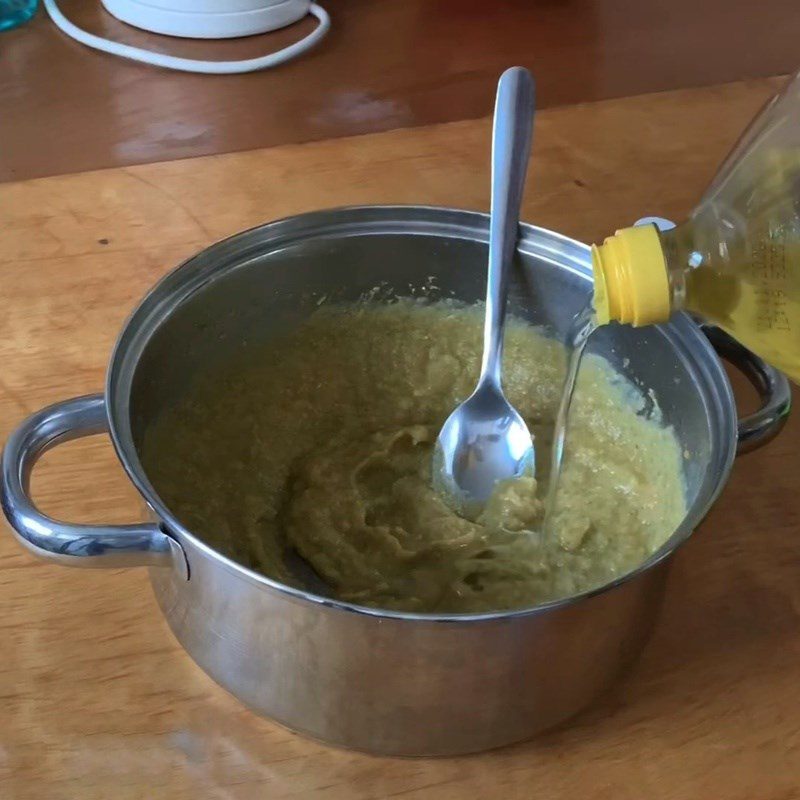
x=736, y=260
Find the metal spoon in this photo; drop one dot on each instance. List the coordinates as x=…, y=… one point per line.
x=485, y=440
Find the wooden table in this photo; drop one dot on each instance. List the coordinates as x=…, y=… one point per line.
x=99, y=701
x=386, y=64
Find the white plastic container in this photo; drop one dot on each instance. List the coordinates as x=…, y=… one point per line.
x=208, y=19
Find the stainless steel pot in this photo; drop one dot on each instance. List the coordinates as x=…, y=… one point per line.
x=380, y=681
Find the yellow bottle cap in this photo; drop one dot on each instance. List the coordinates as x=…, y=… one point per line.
x=631, y=282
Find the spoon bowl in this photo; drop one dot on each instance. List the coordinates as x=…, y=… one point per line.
x=485, y=440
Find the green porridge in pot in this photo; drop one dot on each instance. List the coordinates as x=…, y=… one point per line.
x=321, y=444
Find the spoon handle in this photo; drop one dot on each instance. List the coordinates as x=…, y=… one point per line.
x=511, y=147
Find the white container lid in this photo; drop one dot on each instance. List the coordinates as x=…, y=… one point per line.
x=208, y=19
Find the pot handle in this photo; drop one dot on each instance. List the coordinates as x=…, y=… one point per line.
x=73, y=545
x=760, y=427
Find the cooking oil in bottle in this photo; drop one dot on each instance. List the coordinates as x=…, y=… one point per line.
x=736, y=260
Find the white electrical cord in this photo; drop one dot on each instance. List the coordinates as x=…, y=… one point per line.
x=190, y=64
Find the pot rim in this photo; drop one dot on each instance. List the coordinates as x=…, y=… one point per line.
x=164, y=297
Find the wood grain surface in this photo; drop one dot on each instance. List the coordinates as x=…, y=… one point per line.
x=386, y=64
x=97, y=699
